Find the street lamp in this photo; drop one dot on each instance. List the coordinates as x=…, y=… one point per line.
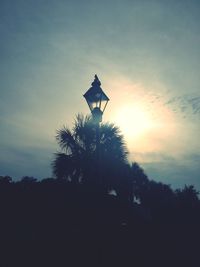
x=97, y=100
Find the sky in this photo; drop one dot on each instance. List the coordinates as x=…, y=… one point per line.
x=146, y=54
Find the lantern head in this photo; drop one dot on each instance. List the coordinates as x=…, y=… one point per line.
x=97, y=100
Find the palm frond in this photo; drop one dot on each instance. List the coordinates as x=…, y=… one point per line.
x=84, y=132
x=112, y=142
x=66, y=140
x=63, y=165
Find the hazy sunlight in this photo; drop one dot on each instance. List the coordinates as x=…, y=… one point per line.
x=134, y=121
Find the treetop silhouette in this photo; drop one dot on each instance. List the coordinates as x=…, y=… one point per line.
x=77, y=161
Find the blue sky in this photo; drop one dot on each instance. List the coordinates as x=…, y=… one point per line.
x=147, y=56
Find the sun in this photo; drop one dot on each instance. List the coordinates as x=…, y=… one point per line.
x=134, y=121
x=146, y=122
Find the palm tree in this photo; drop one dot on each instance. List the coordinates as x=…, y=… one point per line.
x=77, y=160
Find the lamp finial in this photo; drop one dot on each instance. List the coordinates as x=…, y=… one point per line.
x=96, y=81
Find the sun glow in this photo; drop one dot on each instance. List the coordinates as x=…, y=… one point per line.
x=145, y=121
x=134, y=121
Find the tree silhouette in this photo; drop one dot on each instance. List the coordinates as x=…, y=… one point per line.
x=28, y=180
x=77, y=161
x=5, y=179
x=188, y=194
x=139, y=180
x=187, y=200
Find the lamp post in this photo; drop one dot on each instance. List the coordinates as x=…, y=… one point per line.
x=97, y=101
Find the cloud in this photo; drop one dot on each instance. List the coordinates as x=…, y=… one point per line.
x=170, y=170
x=21, y=161
x=188, y=104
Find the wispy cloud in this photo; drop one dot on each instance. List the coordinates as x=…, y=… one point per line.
x=187, y=105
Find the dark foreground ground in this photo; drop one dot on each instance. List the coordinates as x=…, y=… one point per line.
x=56, y=225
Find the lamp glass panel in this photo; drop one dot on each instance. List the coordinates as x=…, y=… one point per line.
x=93, y=104
x=103, y=104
